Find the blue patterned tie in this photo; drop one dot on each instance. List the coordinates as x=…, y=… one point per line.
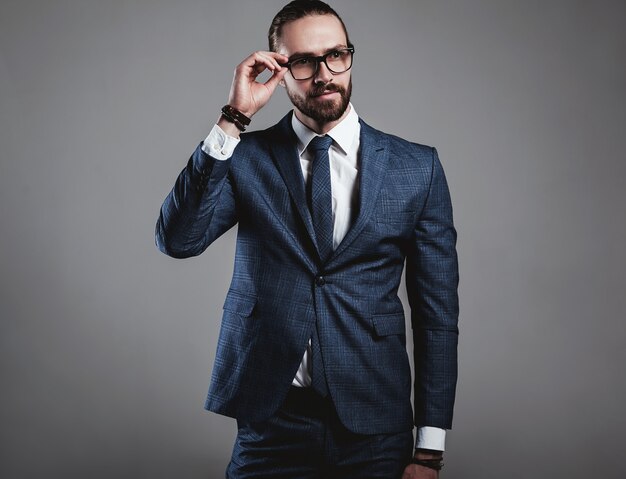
x=320, y=197
x=320, y=203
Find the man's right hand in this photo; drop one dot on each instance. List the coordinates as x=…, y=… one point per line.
x=247, y=94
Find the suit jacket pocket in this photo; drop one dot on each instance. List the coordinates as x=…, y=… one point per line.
x=240, y=306
x=388, y=324
x=392, y=209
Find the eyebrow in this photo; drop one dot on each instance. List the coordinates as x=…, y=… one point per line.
x=312, y=54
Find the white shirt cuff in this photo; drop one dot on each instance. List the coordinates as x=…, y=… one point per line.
x=219, y=145
x=429, y=437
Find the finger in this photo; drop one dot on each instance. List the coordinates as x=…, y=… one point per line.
x=275, y=79
x=257, y=63
x=259, y=68
x=271, y=59
x=279, y=57
x=263, y=63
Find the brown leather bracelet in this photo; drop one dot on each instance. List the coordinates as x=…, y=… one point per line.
x=435, y=464
x=230, y=119
x=232, y=112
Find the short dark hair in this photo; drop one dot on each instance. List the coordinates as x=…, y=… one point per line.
x=296, y=10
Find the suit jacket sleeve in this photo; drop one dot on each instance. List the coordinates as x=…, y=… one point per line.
x=432, y=280
x=200, y=207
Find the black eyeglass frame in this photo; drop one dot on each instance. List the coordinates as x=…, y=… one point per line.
x=320, y=59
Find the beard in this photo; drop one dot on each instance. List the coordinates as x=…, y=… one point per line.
x=323, y=111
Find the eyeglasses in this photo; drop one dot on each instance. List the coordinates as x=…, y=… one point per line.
x=337, y=61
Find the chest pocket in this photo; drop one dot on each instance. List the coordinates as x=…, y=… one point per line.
x=395, y=208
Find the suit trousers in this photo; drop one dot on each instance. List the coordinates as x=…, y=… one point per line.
x=305, y=439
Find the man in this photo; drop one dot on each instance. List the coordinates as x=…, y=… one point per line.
x=311, y=356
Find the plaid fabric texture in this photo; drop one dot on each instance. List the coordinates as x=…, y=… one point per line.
x=285, y=284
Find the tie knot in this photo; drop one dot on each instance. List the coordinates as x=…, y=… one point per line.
x=321, y=143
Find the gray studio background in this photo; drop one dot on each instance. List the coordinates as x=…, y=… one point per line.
x=106, y=345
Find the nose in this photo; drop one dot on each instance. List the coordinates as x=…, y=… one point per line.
x=323, y=75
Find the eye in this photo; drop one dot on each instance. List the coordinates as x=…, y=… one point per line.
x=335, y=54
x=301, y=62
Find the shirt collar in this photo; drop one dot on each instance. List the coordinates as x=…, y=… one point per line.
x=342, y=134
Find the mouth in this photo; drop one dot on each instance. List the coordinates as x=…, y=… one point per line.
x=326, y=94
x=324, y=91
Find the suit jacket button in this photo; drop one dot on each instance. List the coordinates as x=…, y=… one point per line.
x=319, y=280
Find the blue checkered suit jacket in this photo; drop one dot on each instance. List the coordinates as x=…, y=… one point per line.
x=281, y=289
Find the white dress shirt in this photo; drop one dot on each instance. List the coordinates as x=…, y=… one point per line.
x=344, y=169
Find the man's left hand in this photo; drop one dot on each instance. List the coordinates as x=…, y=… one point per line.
x=415, y=471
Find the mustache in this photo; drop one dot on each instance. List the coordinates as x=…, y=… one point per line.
x=321, y=89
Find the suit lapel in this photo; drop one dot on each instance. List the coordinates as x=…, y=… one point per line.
x=285, y=154
x=373, y=158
